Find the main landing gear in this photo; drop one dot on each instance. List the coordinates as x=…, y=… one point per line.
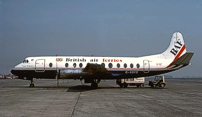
x=95, y=83
x=31, y=83
x=125, y=85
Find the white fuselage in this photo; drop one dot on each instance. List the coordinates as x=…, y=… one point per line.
x=128, y=65
x=74, y=67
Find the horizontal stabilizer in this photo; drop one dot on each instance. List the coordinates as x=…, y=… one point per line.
x=184, y=59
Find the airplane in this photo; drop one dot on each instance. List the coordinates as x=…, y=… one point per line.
x=93, y=69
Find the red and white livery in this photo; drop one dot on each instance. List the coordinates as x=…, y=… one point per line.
x=93, y=69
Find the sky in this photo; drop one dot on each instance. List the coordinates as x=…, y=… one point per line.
x=98, y=27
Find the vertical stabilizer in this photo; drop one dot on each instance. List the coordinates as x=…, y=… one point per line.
x=176, y=48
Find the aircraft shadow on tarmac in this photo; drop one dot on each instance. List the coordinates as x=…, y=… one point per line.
x=83, y=88
x=80, y=88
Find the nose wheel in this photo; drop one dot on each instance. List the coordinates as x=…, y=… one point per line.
x=31, y=83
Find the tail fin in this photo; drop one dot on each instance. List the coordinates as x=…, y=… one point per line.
x=176, y=48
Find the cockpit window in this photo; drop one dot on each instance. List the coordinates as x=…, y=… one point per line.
x=25, y=61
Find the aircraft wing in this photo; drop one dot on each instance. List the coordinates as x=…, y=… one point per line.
x=90, y=71
x=96, y=69
x=184, y=59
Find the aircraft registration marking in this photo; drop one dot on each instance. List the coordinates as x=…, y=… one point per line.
x=131, y=72
x=158, y=64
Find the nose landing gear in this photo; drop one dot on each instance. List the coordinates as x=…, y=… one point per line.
x=94, y=85
x=31, y=83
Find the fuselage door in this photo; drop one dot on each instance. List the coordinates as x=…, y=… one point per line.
x=146, y=66
x=40, y=65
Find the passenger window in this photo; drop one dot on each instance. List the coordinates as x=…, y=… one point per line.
x=80, y=65
x=66, y=65
x=125, y=65
x=74, y=65
x=103, y=65
x=118, y=65
x=110, y=65
x=138, y=65
x=50, y=64
x=131, y=65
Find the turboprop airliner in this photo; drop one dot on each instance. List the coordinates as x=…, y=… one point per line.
x=94, y=69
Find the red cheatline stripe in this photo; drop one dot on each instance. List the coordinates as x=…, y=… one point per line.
x=178, y=55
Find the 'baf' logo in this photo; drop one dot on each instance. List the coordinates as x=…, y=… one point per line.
x=177, y=46
x=59, y=59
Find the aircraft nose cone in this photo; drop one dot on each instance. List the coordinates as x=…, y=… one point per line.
x=13, y=72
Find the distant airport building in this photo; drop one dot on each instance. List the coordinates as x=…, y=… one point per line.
x=10, y=76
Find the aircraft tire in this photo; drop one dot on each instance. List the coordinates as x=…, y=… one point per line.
x=162, y=85
x=94, y=85
x=31, y=85
x=121, y=85
x=153, y=85
x=142, y=85
x=125, y=85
